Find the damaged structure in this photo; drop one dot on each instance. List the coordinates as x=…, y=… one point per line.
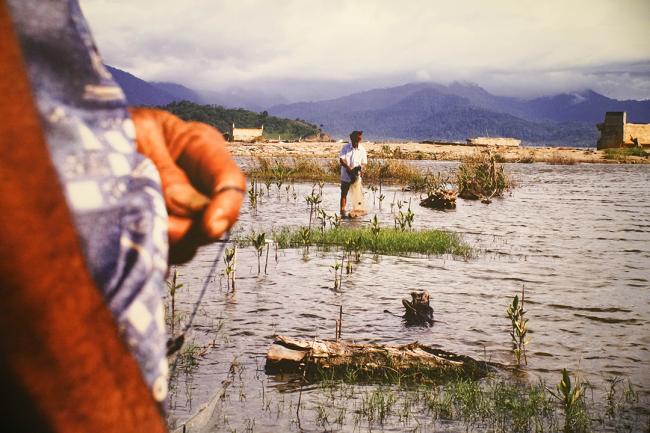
x=616, y=132
x=246, y=134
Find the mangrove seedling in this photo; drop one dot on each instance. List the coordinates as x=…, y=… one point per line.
x=349, y=247
x=337, y=281
x=404, y=220
x=305, y=235
x=267, y=183
x=409, y=217
x=173, y=286
x=373, y=188
x=570, y=395
x=230, y=260
x=339, y=323
x=268, y=247
x=519, y=327
x=252, y=195
x=381, y=199
x=258, y=242
x=313, y=200
x=335, y=221
x=374, y=228
x=322, y=217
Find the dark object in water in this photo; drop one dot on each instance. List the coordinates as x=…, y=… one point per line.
x=418, y=311
x=440, y=199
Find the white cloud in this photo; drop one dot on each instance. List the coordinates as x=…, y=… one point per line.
x=532, y=45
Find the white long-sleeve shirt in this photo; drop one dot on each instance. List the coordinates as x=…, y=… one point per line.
x=353, y=157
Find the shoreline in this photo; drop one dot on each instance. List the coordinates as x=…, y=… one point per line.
x=435, y=152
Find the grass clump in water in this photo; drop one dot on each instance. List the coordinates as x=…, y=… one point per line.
x=481, y=178
x=387, y=241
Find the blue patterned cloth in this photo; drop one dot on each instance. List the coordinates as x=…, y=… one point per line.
x=113, y=192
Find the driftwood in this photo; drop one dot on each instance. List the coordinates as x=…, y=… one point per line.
x=440, y=199
x=318, y=359
x=418, y=311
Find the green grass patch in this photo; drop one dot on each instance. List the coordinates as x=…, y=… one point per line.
x=621, y=154
x=495, y=404
x=388, y=241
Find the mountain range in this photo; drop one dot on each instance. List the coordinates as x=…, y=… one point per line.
x=420, y=111
x=141, y=92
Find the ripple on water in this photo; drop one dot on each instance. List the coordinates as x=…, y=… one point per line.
x=631, y=321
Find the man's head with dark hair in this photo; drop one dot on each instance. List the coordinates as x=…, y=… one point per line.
x=355, y=137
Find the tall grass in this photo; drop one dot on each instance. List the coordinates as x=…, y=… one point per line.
x=308, y=169
x=387, y=241
x=480, y=177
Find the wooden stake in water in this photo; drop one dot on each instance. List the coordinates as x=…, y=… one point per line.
x=340, y=321
x=276, y=252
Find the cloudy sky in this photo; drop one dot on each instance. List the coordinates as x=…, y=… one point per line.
x=310, y=49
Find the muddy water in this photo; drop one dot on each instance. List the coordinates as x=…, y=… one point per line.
x=577, y=237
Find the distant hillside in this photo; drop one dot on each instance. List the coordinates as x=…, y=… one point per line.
x=179, y=92
x=140, y=92
x=222, y=118
x=242, y=98
x=459, y=111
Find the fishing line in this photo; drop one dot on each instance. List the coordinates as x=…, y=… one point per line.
x=175, y=343
x=213, y=268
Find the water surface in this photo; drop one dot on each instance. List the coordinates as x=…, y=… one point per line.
x=576, y=237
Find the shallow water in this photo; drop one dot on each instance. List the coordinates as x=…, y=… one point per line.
x=577, y=237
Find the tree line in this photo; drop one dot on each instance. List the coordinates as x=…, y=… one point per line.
x=222, y=118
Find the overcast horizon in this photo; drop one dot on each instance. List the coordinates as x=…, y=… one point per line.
x=308, y=50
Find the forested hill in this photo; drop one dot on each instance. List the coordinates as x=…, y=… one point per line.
x=222, y=118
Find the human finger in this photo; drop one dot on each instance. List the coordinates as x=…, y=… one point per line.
x=222, y=212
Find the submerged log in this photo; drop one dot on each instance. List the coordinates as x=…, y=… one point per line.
x=440, y=199
x=318, y=359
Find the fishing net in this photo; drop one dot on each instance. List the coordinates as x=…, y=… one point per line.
x=357, y=199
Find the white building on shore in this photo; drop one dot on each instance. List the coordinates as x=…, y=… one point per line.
x=246, y=134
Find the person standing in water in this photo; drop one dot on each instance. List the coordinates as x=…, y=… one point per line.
x=353, y=159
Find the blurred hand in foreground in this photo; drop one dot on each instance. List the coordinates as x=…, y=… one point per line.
x=202, y=185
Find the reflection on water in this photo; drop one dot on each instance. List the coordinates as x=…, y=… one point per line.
x=577, y=237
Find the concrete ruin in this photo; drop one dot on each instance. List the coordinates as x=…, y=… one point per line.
x=247, y=135
x=615, y=132
x=494, y=141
